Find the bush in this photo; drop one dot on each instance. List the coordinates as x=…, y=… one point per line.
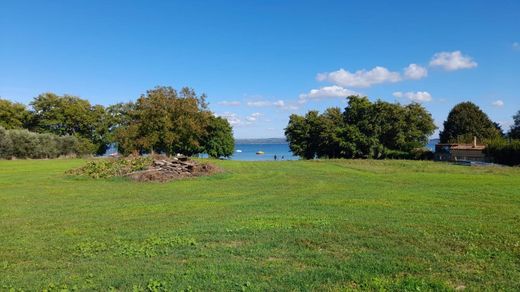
x=504, y=152
x=6, y=145
x=104, y=168
x=67, y=145
x=22, y=144
x=25, y=143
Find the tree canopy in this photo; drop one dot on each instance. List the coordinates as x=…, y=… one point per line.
x=465, y=121
x=166, y=121
x=71, y=115
x=514, y=132
x=13, y=115
x=363, y=130
x=163, y=120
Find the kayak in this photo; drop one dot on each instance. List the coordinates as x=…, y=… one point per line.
x=259, y=152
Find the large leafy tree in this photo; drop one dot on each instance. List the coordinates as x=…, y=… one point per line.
x=218, y=141
x=363, y=130
x=168, y=121
x=71, y=115
x=303, y=134
x=465, y=121
x=514, y=133
x=13, y=115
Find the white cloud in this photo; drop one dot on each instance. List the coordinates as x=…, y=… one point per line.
x=451, y=61
x=279, y=103
x=498, y=103
x=229, y=103
x=259, y=103
x=232, y=118
x=360, y=78
x=253, y=117
x=414, y=71
x=333, y=91
x=419, y=96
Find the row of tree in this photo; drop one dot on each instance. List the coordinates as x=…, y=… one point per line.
x=163, y=120
x=387, y=130
x=364, y=129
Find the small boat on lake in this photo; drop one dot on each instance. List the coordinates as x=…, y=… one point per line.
x=260, y=152
x=239, y=151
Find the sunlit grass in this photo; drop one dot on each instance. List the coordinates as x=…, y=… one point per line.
x=292, y=225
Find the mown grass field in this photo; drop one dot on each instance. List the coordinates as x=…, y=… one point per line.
x=300, y=225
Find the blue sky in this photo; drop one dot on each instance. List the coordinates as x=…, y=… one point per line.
x=260, y=61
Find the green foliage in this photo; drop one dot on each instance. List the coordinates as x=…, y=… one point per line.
x=465, y=121
x=504, y=152
x=105, y=168
x=71, y=115
x=6, y=144
x=218, y=140
x=21, y=143
x=166, y=121
x=514, y=132
x=13, y=115
x=363, y=130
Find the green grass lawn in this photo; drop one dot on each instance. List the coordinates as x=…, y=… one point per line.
x=292, y=225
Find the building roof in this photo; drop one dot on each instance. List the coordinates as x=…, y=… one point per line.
x=463, y=146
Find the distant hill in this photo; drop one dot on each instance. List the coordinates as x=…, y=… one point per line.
x=261, y=141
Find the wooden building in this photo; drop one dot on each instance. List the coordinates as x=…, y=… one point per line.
x=460, y=152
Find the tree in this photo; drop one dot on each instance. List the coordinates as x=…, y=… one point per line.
x=219, y=140
x=165, y=121
x=465, y=121
x=331, y=122
x=514, y=132
x=363, y=130
x=303, y=134
x=13, y=115
x=71, y=115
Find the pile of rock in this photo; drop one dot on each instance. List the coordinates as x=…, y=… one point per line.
x=165, y=169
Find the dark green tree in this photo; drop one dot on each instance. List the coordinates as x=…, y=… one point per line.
x=13, y=115
x=331, y=123
x=514, y=132
x=363, y=130
x=71, y=115
x=218, y=141
x=465, y=121
x=303, y=134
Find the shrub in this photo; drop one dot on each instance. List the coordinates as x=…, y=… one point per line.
x=25, y=143
x=6, y=145
x=504, y=152
x=67, y=145
x=21, y=143
x=104, y=168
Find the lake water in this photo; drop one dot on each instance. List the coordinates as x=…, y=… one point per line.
x=248, y=152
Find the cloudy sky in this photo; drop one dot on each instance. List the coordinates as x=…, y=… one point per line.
x=260, y=61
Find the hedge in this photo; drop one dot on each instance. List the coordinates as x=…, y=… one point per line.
x=504, y=152
x=22, y=144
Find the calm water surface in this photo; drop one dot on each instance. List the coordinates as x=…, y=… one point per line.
x=248, y=152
